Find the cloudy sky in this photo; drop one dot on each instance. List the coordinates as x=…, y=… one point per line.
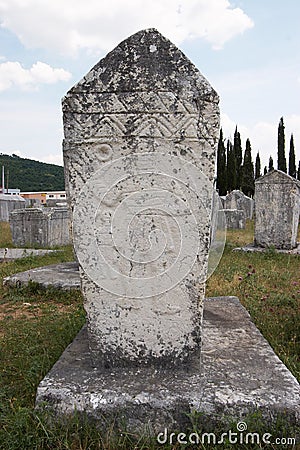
x=247, y=49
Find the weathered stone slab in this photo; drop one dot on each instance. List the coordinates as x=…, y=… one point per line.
x=140, y=135
x=45, y=227
x=239, y=373
x=7, y=254
x=235, y=219
x=251, y=248
x=63, y=276
x=277, y=209
x=9, y=203
x=238, y=200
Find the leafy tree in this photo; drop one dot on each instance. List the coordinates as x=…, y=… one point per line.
x=257, y=166
x=271, y=164
x=292, y=159
x=281, y=160
x=29, y=175
x=231, y=167
x=248, y=171
x=238, y=156
x=221, y=166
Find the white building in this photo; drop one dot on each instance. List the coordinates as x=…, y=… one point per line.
x=10, y=191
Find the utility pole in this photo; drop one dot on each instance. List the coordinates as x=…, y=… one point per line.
x=7, y=178
x=3, y=181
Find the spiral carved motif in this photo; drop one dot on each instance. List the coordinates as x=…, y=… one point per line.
x=140, y=223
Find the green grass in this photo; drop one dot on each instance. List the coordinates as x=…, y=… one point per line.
x=5, y=235
x=268, y=285
x=36, y=326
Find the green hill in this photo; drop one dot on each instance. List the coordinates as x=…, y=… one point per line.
x=32, y=176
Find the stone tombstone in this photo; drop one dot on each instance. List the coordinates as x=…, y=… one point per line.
x=277, y=208
x=9, y=203
x=235, y=219
x=238, y=200
x=44, y=227
x=140, y=131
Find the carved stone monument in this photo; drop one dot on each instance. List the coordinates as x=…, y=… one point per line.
x=45, y=227
x=235, y=218
x=140, y=135
x=238, y=200
x=9, y=203
x=277, y=209
x=139, y=149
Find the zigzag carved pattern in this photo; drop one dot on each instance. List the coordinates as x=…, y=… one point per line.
x=147, y=125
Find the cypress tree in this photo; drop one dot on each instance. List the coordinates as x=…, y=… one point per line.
x=238, y=156
x=231, y=167
x=281, y=160
x=298, y=172
x=257, y=166
x=265, y=170
x=292, y=159
x=221, y=166
x=271, y=164
x=248, y=171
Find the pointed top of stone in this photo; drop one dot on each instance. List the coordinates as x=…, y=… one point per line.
x=277, y=176
x=145, y=61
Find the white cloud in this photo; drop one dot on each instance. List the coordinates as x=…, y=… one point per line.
x=13, y=74
x=228, y=127
x=52, y=158
x=98, y=26
x=31, y=128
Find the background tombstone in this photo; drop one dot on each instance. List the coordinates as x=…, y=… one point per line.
x=43, y=227
x=9, y=203
x=139, y=151
x=277, y=208
x=235, y=219
x=238, y=200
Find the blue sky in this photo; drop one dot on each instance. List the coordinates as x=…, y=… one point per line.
x=247, y=49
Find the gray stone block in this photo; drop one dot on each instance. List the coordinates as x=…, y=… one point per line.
x=140, y=135
x=63, y=276
x=251, y=248
x=45, y=227
x=235, y=219
x=8, y=254
x=9, y=203
x=238, y=200
x=277, y=208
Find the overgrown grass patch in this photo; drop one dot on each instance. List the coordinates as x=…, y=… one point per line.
x=238, y=238
x=5, y=235
x=268, y=285
x=32, y=342
x=10, y=267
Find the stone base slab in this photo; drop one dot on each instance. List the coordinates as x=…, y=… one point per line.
x=7, y=254
x=59, y=276
x=251, y=248
x=238, y=374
